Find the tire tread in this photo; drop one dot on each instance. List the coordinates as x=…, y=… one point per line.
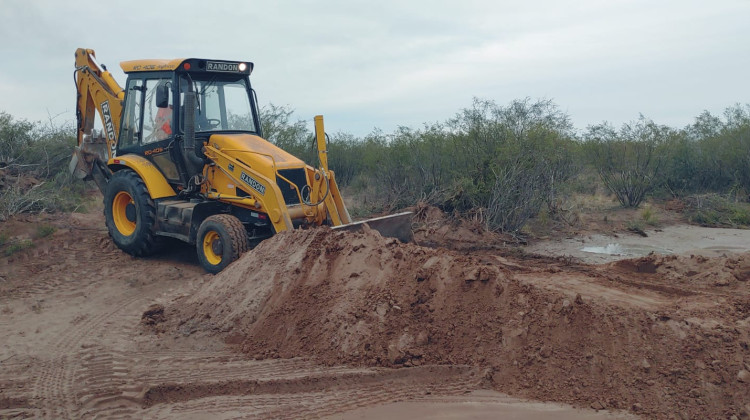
x=148, y=242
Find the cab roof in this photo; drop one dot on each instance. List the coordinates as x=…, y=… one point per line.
x=192, y=64
x=150, y=65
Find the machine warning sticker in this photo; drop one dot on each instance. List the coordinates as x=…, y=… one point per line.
x=225, y=67
x=257, y=186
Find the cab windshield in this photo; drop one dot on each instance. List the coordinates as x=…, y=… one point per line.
x=222, y=104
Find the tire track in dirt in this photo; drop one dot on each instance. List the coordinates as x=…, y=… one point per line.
x=14, y=388
x=57, y=377
x=104, y=384
x=307, y=396
x=207, y=367
x=34, y=275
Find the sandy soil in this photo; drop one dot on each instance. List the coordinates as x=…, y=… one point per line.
x=476, y=405
x=320, y=324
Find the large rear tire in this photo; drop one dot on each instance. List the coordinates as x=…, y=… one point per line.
x=220, y=241
x=130, y=214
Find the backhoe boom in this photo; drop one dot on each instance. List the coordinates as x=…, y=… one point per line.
x=97, y=92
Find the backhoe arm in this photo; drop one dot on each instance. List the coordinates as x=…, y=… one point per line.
x=97, y=91
x=329, y=193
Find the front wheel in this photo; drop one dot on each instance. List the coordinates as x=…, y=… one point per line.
x=130, y=214
x=221, y=240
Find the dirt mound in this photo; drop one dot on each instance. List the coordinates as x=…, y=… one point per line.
x=362, y=299
x=693, y=270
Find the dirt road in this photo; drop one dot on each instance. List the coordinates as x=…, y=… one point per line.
x=313, y=324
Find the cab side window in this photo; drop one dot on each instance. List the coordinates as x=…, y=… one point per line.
x=132, y=119
x=157, y=122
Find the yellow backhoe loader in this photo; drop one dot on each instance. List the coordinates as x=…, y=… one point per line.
x=182, y=155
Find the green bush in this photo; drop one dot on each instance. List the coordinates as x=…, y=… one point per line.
x=503, y=162
x=714, y=210
x=711, y=155
x=629, y=160
x=34, y=167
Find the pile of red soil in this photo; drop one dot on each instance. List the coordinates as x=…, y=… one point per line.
x=361, y=299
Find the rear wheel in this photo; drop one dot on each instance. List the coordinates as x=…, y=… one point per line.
x=130, y=214
x=221, y=240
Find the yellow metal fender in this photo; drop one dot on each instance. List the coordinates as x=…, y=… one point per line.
x=157, y=185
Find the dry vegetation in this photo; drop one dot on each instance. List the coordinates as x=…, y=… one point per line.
x=504, y=165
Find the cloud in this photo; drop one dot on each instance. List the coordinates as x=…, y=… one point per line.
x=396, y=63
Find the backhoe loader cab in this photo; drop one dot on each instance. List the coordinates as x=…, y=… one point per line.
x=153, y=120
x=182, y=156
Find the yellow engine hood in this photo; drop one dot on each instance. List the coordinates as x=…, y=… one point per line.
x=255, y=152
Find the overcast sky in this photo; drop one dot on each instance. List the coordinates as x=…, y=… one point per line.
x=388, y=63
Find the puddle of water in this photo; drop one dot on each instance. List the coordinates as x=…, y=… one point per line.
x=634, y=250
x=610, y=249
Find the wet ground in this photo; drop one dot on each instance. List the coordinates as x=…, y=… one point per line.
x=676, y=239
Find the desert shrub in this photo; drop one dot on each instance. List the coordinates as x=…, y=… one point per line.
x=715, y=210
x=517, y=157
x=711, y=155
x=15, y=138
x=503, y=162
x=515, y=196
x=685, y=167
x=729, y=149
x=629, y=160
x=34, y=167
x=346, y=155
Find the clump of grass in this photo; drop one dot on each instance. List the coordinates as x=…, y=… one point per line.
x=636, y=226
x=4, y=238
x=648, y=215
x=42, y=231
x=740, y=215
x=18, y=246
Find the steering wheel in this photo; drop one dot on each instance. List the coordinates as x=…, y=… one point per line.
x=213, y=122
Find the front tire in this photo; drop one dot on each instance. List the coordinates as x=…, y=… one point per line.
x=220, y=241
x=130, y=214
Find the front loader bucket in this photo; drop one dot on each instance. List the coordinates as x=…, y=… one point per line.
x=394, y=226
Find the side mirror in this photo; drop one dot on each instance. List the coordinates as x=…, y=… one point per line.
x=162, y=96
